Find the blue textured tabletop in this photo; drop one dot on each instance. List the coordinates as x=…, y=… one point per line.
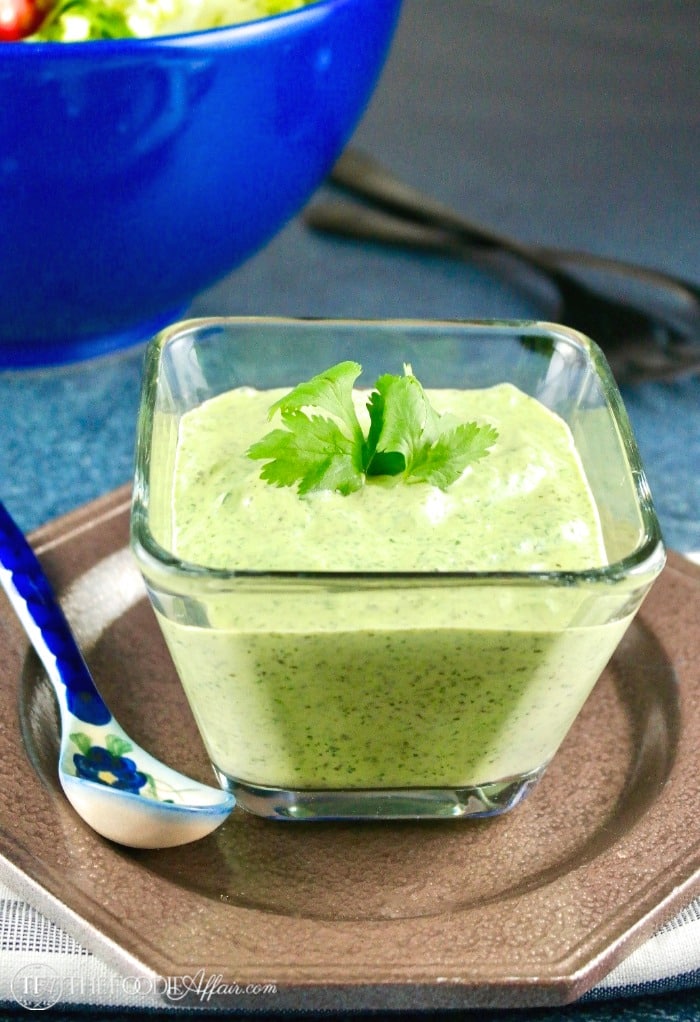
x=562, y=122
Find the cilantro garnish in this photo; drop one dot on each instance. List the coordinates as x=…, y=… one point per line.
x=323, y=447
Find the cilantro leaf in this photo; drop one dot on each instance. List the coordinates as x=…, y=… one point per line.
x=312, y=452
x=316, y=452
x=331, y=392
x=443, y=462
x=322, y=445
x=402, y=421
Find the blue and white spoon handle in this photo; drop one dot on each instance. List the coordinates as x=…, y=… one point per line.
x=35, y=604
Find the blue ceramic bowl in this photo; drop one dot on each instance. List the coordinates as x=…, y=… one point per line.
x=134, y=173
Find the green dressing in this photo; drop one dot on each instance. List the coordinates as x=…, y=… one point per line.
x=373, y=682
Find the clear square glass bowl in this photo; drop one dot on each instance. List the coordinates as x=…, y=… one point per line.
x=390, y=694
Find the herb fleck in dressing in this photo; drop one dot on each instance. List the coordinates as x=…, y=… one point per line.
x=306, y=683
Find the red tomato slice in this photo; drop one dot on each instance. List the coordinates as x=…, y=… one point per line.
x=18, y=18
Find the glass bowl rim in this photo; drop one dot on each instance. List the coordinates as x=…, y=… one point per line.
x=647, y=559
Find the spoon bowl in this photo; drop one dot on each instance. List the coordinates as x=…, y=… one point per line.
x=119, y=789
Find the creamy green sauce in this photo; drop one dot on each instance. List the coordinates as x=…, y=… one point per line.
x=525, y=507
x=306, y=684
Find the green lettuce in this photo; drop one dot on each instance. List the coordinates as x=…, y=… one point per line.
x=80, y=20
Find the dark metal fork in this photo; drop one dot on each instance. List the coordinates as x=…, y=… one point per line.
x=639, y=344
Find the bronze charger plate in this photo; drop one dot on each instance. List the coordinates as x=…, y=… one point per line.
x=530, y=908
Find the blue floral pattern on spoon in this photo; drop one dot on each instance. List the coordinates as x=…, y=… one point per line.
x=133, y=799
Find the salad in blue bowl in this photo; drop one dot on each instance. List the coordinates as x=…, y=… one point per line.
x=137, y=170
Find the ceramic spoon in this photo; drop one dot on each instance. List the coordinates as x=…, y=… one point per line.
x=120, y=790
